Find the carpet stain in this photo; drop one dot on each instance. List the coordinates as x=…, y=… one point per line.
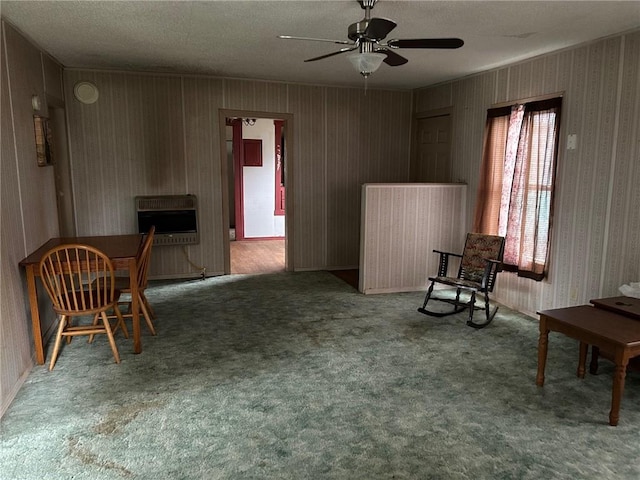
x=88, y=458
x=119, y=418
x=358, y=331
x=415, y=331
x=312, y=332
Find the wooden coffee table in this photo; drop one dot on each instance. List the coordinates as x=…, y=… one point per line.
x=601, y=328
x=627, y=306
x=622, y=305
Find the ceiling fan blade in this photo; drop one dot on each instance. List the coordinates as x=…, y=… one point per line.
x=340, y=42
x=393, y=59
x=426, y=43
x=342, y=50
x=378, y=28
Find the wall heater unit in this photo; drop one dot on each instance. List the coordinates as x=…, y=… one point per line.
x=174, y=216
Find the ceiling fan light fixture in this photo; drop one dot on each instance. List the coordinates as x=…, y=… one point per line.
x=366, y=62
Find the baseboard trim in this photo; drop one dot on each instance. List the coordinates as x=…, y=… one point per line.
x=185, y=276
x=15, y=389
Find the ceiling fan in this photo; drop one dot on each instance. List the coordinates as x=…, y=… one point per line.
x=366, y=37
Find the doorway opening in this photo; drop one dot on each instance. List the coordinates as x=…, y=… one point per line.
x=258, y=157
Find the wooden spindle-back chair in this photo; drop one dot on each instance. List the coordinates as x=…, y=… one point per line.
x=80, y=281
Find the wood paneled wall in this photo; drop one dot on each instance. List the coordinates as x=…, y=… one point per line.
x=28, y=214
x=159, y=134
x=596, y=231
x=401, y=225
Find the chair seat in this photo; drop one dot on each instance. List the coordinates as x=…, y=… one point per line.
x=458, y=282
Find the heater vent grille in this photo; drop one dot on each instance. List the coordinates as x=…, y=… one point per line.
x=167, y=202
x=175, y=239
x=174, y=216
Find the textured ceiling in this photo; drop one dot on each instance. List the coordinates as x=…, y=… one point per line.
x=239, y=38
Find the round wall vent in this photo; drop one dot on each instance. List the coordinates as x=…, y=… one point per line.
x=86, y=92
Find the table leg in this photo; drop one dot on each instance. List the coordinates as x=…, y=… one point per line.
x=618, y=387
x=593, y=366
x=135, y=305
x=543, y=343
x=582, y=360
x=35, y=314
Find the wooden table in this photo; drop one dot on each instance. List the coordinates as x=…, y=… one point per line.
x=604, y=329
x=121, y=249
x=622, y=305
x=627, y=306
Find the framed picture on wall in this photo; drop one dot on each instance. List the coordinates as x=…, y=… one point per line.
x=44, y=148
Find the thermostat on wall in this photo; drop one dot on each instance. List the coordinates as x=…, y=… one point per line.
x=86, y=92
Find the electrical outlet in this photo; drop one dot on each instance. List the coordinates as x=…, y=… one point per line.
x=572, y=141
x=573, y=295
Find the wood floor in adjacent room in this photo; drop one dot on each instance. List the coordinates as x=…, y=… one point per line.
x=267, y=256
x=257, y=256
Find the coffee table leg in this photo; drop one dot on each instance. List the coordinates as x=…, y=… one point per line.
x=593, y=366
x=582, y=360
x=618, y=387
x=543, y=344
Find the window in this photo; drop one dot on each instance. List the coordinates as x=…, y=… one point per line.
x=515, y=194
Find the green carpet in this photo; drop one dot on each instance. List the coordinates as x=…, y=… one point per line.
x=298, y=376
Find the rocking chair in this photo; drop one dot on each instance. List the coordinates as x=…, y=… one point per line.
x=479, y=266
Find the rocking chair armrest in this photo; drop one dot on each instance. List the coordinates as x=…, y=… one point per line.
x=443, y=264
x=448, y=253
x=491, y=269
x=495, y=262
